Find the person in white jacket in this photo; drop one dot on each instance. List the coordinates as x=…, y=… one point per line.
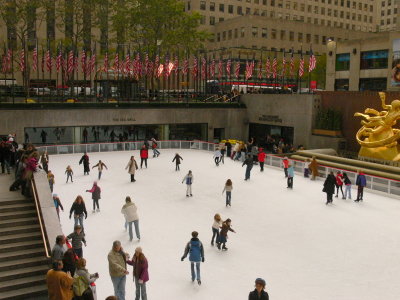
x=228, y=189
x=189, y=181
x=129, y=210
x=217, y=156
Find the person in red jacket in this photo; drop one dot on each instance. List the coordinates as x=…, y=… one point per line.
x=285, y=163
x=261, y=158
x=144, y=155
x=339, y=184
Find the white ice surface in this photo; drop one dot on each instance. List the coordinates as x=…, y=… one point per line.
x=304, y=249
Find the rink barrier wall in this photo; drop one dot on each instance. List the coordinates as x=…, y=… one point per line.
x=378, y=184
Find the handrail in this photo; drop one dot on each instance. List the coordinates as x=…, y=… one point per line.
x=212, y=96
x=36, y=198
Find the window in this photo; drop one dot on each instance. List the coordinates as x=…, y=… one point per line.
x=242, y=31
x=264, y=33
x=264, y=2
x=230, y=9
x=229, y=34
x=220, y=19
x=256, y=12
x=239, y=10
x=264, y=13
x=254, y=32
x=300, y=37
x=212, y=20
x=218, y=37
x=308, y=38
x=221, y=7
x=283, y=35
x=202, y=5
x=287, y=5
x=203, y=20
x=273, y=34
x=248, y=11
x=212, y=6
x=372, y=84
x=341, y=84
x=374, y=59
x=295, y=5
x=291, y=36
x=235, y=35
x=342, y=62
x=272, y=2
x=224, y=35
x=323, y=40
x=316, y=39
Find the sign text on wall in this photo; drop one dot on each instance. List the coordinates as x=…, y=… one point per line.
x=270, y=118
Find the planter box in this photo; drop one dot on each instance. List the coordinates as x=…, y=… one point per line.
x=324, y=132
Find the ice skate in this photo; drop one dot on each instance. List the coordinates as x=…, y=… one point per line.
x=199, y=282
x=191, y=195
x=98, y=210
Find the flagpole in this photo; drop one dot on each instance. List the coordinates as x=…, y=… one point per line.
x=309, y=72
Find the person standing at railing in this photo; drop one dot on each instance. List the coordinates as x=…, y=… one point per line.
x=59, y=283
x=249, y=165
x=228, y=147
x=132, y=167
x=314, y=168
x=261, y=158
x=85, y=160
x=69, y=173
x=339, y=184
x=188, y=179
x=347, y=183
x=96, y=196
x=100, y=166
x=285, y=164
x=79, y=210
x=361, y=182
x=85, y=135
x=156, y=153
x=329, y=187
x=177, y=159
x=144, y=155
x=43, y=135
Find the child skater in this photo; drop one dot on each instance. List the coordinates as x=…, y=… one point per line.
x=189, y=180
x=69, y=173
x=177, y=159
x=223, y=234
x=228, y=189
x=215, y=228
x=100, y=165
x=290, y=172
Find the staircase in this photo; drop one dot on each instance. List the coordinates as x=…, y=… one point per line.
x=23, y=262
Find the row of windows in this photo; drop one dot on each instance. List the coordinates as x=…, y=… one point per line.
x=273, y=34
x=364, y=84
x=377, y=59
x=389, y=21
x=389, y=12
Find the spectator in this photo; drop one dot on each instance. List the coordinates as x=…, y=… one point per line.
x=140, y=273
x=57, y=253
x=59, y=283
x=69, y=261
x=361, y=182
x=117, y=268
x=259, y=293
x=82, y=284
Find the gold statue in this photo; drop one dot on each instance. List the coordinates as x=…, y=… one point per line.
x=377, y=137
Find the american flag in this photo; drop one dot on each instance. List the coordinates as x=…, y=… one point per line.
x=22, y=60
x=70, y=62
x=146, y=65
x=128, y=65
x=166, y=66
x=195, y=67
x=212, y=68
x=59, y=60
x=160, y=70
x=105, y=64
x=292, y=63
x=259, y=67
x=156, y=65
x=92, y=63
x=267, y=68
x=237, y=69
x=35, y=59
x=228, y=68
x=301, y=66
x=283, y=64
x=116, y=66
x=312, y=61
x=249, y=69
x=203, y=68
x=49, y=62
x=83, y=62
x=274, y=67
x=138, y=66
x=185, y=68
x=220, y=68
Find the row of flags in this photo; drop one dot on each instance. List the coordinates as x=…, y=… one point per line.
x=138, y=67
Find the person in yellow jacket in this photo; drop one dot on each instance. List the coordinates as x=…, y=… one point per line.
x=117, y=268
x=59, y=283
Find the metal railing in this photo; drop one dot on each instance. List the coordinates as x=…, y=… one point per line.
x=374, y=183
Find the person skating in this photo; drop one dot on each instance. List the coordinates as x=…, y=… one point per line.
x=329, y=187
x=85, y=160
x=314, y=168
x=100, y=166
x=140, y=273
x=177, y=159
x=144, y=155
x=79, y=210
x=217, y=156
x=50, y=178
x=58, y=205
x=129, y=210
x=215, y=228
x=223, y=234
x=361, y=182
x=261, y=158
x=196, y=255
x=96, y=196
x=339, y=184
x=228, y=189
x=59, y=283
x=154, y=145
x=290, y=177
x=307, y=168
x=259, y=293
x=347, y=183
x=188, y=179
x=285, y=164
x=249, y=165
x=228, y=146
x=254, y=153
x=117, y=268
x=77, y=238
x=132, y=167
x=222, y=148
x=44, y=160
x=69, y=173
x=236, y=149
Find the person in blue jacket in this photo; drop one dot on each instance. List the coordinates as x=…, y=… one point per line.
x=290, y=172
x=361, y=182
x=196, y=255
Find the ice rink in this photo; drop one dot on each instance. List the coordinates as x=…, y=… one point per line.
x=302, y=248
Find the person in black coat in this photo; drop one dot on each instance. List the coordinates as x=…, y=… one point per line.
x=228, y=149
x=79, y=210
x=249, y=165
x=85, y=160
x=177, y=160
x=329, y=187
x=259, y=293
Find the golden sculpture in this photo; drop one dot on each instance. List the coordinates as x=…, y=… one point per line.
x=377, y=137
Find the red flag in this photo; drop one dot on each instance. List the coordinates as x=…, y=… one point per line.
x=185, y=68
x=292, y=64
x=228, y=68
x=105, y=64
x=267, y=68
x=212, y=68
x=301, y=66
x=116, y=66
x=195, y=67
x=128, y=64
x=49, y=63
x=220, y=68
x=83, y=62
x=70, y=62
x=22, y=60
x=35, y=59
x=90, y=68
x=312, y=61
x=59, y=60
x=274, y=67
x=203, y=68
x=237, y=69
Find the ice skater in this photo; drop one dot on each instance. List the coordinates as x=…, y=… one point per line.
x=314, y=168
x=140, y=273
x=189, y=181
x=259, y=293
x=228, y=189
x=44, y=160
x=347, y=184
x=196, y=255
x=100, y=166
x=249, y=165
x=79, y=210
x=223, y=234
x=329, y=187
x=154, y=145
x=306, y=168
x=339, y=184
x=177, y=159
x=50, y=178
x=132, y=167
x=77, y=238
x=215, y=228
x=361, y=182
x=285, y=164
x=144, y=155
x=217, y=156
x=261, y=158
x=129, y=210
x=222, y=148
x=69, y=173
x=85, y=160
x=96, y=196
x=58, y=205
x=290, y=173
